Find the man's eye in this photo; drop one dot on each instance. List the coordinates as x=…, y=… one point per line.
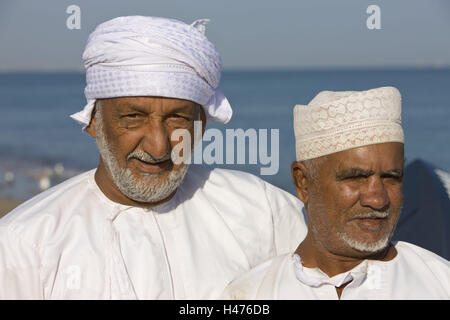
x=394, y=177
x=131, y=115
x=179, y=118
x=132, y=120
x=357, y=177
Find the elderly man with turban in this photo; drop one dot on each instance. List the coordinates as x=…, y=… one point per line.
x=142, y=226
x=348, y=173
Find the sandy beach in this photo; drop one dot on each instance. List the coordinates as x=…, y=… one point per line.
x=7, y=204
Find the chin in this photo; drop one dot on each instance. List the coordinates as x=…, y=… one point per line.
x=365, y=246
x=151, y=188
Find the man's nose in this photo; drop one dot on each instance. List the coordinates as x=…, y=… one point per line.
x=374, y=194
x=156, y=140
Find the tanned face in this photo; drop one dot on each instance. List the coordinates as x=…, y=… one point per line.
x=354, y=200
x=134, y=138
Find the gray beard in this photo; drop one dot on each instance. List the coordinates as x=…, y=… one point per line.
x=365, y=246
x=149, y=187
x=369, y=247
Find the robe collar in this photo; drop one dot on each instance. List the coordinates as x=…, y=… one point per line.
x=314, y=277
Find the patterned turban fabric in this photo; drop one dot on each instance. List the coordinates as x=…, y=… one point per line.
x=152, y=56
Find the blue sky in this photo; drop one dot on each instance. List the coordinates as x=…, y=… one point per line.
x=250, y=34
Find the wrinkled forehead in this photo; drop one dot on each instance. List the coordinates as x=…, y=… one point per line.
x=149, y=104
x=381, y=156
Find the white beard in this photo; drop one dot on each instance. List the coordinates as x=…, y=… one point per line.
x=366, y=246
x=147, y=188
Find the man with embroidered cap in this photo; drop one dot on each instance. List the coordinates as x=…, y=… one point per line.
x=143, y=226
x=348, y=173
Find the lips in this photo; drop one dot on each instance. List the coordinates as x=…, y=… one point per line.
x=156, y=167
x=371, y=222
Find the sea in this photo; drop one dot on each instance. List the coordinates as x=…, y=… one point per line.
x=40, y=145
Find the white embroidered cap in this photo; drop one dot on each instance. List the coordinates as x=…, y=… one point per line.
x=337, y=121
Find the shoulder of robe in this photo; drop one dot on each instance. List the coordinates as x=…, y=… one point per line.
x=437, y=265
x=49, y=208
x=247, y=285
x=228, y=175
x=16, y=252
x=424, y=254
x=238, y=181
x=256, y=198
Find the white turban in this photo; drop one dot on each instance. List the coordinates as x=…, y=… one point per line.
x=337, y=121
x=151, y=56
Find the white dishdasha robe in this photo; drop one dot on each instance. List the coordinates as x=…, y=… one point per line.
x=414, y=273
x=72, y=242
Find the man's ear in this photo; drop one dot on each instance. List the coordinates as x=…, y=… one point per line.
x=299, y=174
x=91, y=126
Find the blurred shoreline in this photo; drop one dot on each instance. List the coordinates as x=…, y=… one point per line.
x=41, y=146
x=8, y=204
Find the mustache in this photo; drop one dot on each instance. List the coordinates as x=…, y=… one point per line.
x=371, y=215
x=147, y=157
